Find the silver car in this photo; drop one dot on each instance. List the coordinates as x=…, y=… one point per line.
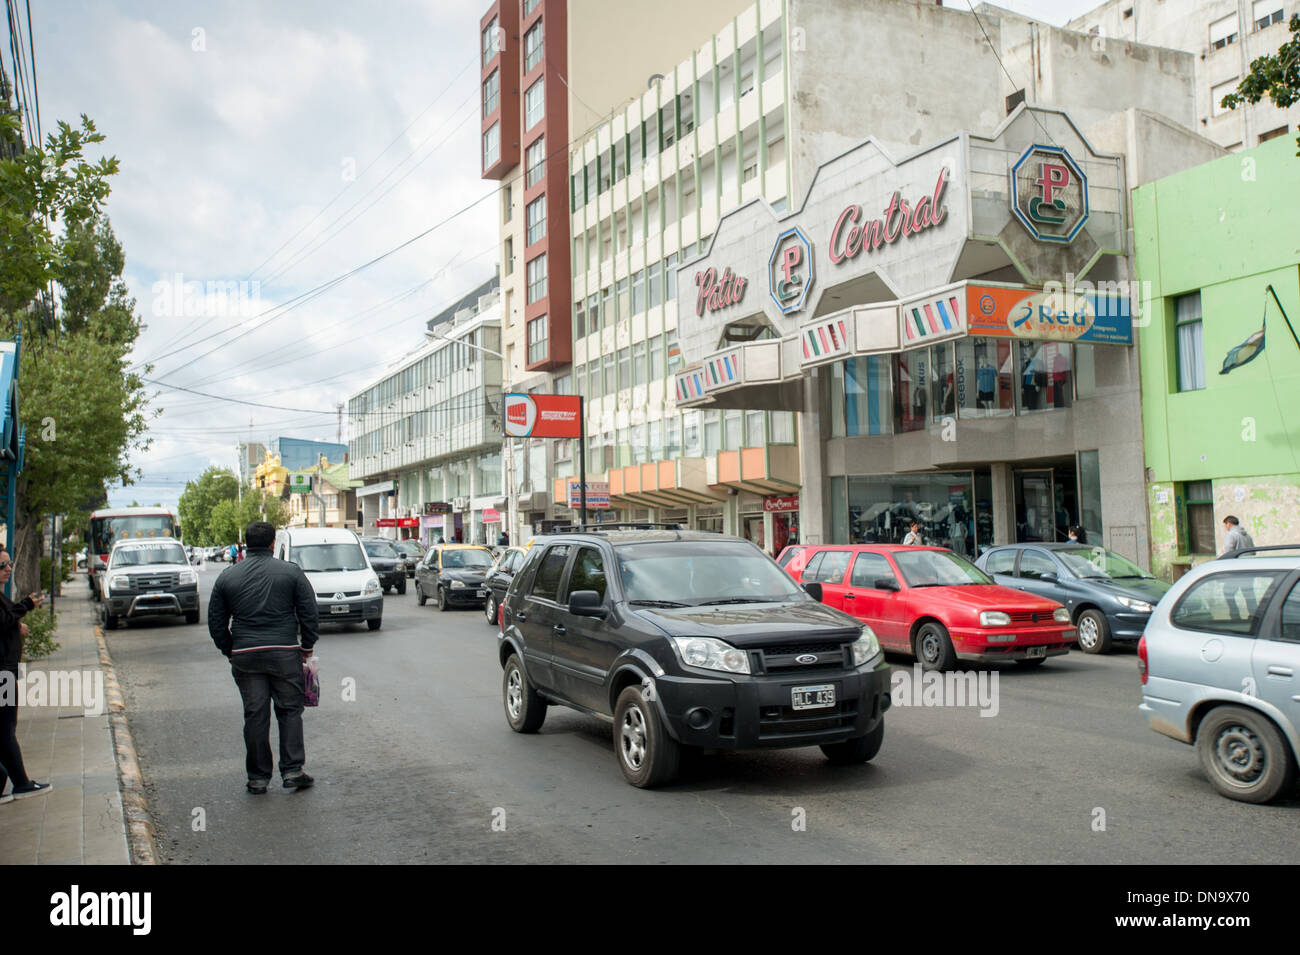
x=1220, y=667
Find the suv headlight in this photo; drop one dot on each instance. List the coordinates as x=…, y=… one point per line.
x=865, y=647
x=709, y=654
x=119, y=583
x=371, y=587
x=1141, y=606
x=189, y=577
x=994, y=618
x=458, y=585
x=1061, y=615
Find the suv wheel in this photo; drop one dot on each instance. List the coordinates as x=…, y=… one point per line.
x=420, y=598
x=490, y=610
x=401, y=585
x=1244, y=755
x=647, y=755
x=859, y=750
x=934, y=647
x=110, y=621
x=375, y=623
x=525, y=709
x=1094, y=632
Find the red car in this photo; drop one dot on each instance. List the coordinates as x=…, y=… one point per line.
x=935, y=605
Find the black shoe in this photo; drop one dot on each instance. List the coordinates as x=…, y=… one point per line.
x=301, y=781
x=257, y=787
x=31, y=789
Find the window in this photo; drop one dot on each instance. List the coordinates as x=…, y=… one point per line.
x=1266, y=13
x=869, y=568
x=588, y=572
x=1217, y=93
x=508, y=266
x=535, y=163
x=830, y=569
x=1223, y=32
x=593, y=313
x=563, y=386
x=537, y=278
x=624, y=369
x=536, y=214
x=507, y=200
x=943, y=384
x=1290, y=628
x=1190, y=350
x=530, y=6
x=593, y=379
x=1001, y=562
x=535, y=103
x=611, y=373
x=911, y=374
x=638, y=292
x=491, y=92
x=638, y=364
x=579, y=320
x=1199, y=497
x=537, y=340
x=657, y=359
x=754, y=421
x=1229, y=603
x=492, y=146
x=1044, y=376
x=546, y=585
x=491, y=43
x=654, y=282
x=1273, y=133
x=1033, y=564
x=533, y=46
x=984, y=375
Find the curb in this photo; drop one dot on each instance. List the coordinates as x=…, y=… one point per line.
x=135, y=809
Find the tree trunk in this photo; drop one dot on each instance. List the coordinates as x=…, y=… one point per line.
x=28, y=547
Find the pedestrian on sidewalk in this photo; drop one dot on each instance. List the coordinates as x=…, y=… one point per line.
x=1237, y=539
x=913, y=536
x=257, y=610
x=12, y=632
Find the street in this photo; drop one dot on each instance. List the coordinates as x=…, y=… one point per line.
x=414, y=763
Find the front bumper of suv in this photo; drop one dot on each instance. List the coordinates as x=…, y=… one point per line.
x=130, y=603
x=756, y=712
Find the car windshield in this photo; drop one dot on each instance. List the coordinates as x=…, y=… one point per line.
x=466, y=560
x=329, y=557
x=938, y=568
x=1099, y=562
x=410, y=548
x=149, y=554
x=699, y=573
x=380, y=549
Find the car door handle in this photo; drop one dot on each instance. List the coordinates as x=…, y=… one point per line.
x=559, y=629
x=520, y=615
x=1276, y=670
x=850, y=597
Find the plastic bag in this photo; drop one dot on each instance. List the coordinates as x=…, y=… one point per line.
x=311, y=680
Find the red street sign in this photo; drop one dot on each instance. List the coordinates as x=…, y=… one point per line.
x=386, y=522
x=790, y=503
x=543, y=416
x=398, y=522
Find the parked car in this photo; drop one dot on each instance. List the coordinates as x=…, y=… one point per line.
x=1109, y=597
x=937, y=606
x=454, y=575
x=148, y=578
x=789, y=552
x=1220, y=669
x=498, y=580
x=412, y=553
x=347, y=587
x=387, y=563
x=686, y=639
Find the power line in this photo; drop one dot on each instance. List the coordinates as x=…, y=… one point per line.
x=994, y=51
x=36, y=95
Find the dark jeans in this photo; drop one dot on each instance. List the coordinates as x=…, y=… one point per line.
x=11, y=757
x=263, y=676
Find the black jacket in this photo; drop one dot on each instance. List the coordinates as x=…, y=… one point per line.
x=11, y=640
x=261, y=604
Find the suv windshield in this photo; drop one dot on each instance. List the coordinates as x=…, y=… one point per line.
x=409, y=548
x=466, y=560
x=149, y=554
x=697, y=573
x=380, y=549
x=329, y=557
x=938, y=568
x=1099, y=562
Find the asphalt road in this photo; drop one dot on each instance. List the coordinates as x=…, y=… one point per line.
x=420, y=766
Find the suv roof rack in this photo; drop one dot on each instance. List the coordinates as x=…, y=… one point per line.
x=1255, y=550
x=619, y=526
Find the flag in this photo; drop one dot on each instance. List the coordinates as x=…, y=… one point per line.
x=1238, y=355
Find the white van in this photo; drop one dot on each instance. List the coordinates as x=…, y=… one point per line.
x=347, y=587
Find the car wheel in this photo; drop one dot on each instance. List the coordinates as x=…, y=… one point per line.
x=525, y=709
x=1094, y=632
x=191, y=616
x=860, y=750
x=490, y=610
x=1244, y=755
x=401, y=585
x=110, y=621
x=376, y=623
x=442, y=599
x=934, y=647
x=647, y=755
x=420, y=598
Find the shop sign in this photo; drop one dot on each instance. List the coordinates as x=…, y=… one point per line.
x=850, y=237
x=299, y=483
x=597, y=494
x=434, y=521
x=790, y=270
x=491, y=516
x=397, y=522
x=543, y=416
x=1056, y=315
x=437, y=507
x=1049, y=194
x=781, y=503
x=718, y=293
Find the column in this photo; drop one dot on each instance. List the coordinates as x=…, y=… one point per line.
x=1004, y=506
x=814, y=523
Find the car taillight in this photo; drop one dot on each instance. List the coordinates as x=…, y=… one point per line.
x=1142, y=659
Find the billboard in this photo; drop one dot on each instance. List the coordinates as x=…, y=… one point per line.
x=597, y=494
x=543, y=416
x=1099, y=317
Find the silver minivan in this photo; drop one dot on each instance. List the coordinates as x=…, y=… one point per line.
x=1220, y=668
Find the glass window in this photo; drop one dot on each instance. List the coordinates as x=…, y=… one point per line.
x=638, y=364
x=1223, y=32
x=579, y=320
x=533, y=46
x=546, y=584
x=536, y=213
x=732, y=430
x=530, y=6
x=1230, y=602
x=638, y=292
x=712, y=433
x=611, y=375
x=621, y=291
x=911, y=386
x=624, y=369
x=881, y=508
x=984, y=374
x=506, y=202
x=537, y=340
x=588, y=572
x=672, y=438
x=866, y=395
x=754, y=436
x=535, y=163
x=1033, y=564
x=492, y=146
x=1290, y=629
x=488, y=478
x=1001, y=561
x=943, y=383
x=656, y=359
x=593, y=313
x=1266, y=13
x=782, y=427
x=692, y=445
x=937, y=568
x=535, y=103
x=868, y=568
x=831, y=568
x=491, y=43
x=1189, y=347
x=1044, y=376
x=1200, y=517
x=593, y=379
x=654, y=280
x=537, y=278
x=670, y=278
x=491, y=93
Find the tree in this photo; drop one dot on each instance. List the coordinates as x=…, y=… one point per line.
x=223, y=523
x=198, y=500
x=1276, y=76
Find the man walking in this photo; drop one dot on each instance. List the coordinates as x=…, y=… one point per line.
x=256, y=611
x=1237, y=539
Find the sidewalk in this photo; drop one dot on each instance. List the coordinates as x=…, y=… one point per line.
x=81, y=820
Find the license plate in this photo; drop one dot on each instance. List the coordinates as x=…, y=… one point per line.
x=482, y=593
x=339, y=608
x=1036, y=652
x=812, y=697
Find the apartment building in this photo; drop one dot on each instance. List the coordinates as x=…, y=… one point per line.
x=1224, y=36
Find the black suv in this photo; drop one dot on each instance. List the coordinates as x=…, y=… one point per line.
x=686, y=639
x=389, y=566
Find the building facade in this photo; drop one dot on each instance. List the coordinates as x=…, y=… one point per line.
x=1211, y=241
x=298, y=453
x=332, y=501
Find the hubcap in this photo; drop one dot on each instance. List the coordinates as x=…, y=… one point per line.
x=1089, y=632
x=633, y=737
x=929, y=646
x=514, y=694
x=1240, y=755
x=491, y=610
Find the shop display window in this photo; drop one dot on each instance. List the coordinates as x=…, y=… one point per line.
x=881, y=508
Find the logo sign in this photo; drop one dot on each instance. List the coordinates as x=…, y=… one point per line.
x=597, y=494
x=299, y=483
x=850, y=236
x=790, y=270
x=806, y=658
x=543, y=416
x=437, y=507
x=718, y=293
x=491, y=515
x=1049, y=194
x=781, y=503
x=1056, y=316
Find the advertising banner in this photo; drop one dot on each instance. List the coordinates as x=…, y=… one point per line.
x=1101, y=318
x=597, y=494
x=543, y=416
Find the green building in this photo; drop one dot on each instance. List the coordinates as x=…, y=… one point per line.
x=1209, y=241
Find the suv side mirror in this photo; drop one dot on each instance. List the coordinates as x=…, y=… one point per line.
x=886, y=583
x=586, y=603
x=814, y=590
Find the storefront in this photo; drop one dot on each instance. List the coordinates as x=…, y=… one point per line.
x=955, y=327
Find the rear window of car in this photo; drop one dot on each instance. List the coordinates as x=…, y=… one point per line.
x=1229, y=603
x=830, y=569
x=1001, y=562
x=790, y=554
x=546, y=583
x=868, y=568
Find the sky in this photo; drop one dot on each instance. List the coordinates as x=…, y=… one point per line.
x=267, y=150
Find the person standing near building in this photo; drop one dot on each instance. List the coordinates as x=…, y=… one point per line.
x=1237, y=538
x=12, y=632
x=913, y=536
x=256, y=612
